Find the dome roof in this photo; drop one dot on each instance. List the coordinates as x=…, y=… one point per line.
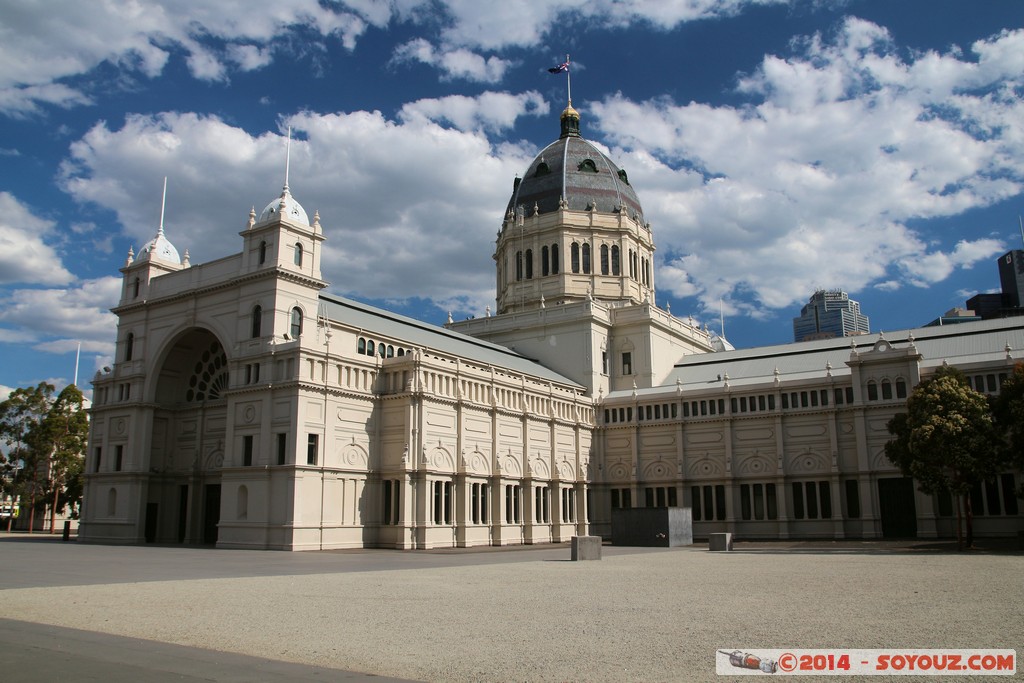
x=576, y=170
x=159, y=248
x=293, y=211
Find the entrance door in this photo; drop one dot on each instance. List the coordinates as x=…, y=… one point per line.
x=151, y=519
x=211, y=513
x=896, y=505
x=182, y=512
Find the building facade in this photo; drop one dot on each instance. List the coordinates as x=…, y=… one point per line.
x=829, y=313
x=248, y=408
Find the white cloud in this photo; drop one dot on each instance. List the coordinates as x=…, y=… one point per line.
x=489, y=111
x=139, y=37
x=817, y=179
x=57, y=319
x=422, y=198
x=25, y=256
x=458, y=63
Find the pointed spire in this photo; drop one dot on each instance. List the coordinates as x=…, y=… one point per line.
x=131, y=256
x=185, y=261
x=287, y=157
x=163, y=205
x=252, y=217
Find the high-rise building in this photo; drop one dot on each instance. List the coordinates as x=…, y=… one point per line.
x=829, y=313
x=1011, y=278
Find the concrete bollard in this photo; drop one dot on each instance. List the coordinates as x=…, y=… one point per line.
x=586, y=548
x=720, y=542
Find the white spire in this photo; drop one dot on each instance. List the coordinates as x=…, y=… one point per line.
x=163, y=205
x=287, y=157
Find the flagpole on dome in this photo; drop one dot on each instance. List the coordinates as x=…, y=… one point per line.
x=568, y=79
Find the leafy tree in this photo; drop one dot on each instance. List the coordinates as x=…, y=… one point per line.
x=20, y=417
x=45, y=440
x=1008, y=409
x=63, y=434
x=946, y=441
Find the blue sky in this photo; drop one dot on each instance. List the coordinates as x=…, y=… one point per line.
x=777, y=147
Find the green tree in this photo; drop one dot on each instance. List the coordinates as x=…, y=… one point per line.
x=63, y=434
x=20, y=416
x=946, y=441
x=1008, y=409
x=45, y=441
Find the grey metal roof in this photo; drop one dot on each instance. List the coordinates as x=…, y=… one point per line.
x=419, y=334
x=959, y=344
x=565, y=178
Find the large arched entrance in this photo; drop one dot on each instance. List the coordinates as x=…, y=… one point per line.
x=188, y=441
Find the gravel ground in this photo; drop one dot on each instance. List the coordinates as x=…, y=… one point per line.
x=653, y=616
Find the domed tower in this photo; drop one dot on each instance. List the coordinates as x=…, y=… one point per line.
x=157, y=257
x=575, y=280
x=573, y=229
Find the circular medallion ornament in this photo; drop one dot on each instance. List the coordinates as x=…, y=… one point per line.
x=249, y=414
x=119, y=426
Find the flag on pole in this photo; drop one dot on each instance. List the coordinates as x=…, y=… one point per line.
x=564, y=66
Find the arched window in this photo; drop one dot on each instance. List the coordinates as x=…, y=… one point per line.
x=382, y=350
x=263, y=252
x=401, y=352
x=554, y=259
x=632, y=264
x=529, y=264
x=370, y=348
x=545, y=261
x=586, y=258
x=575, y=252
x=298, y=254
x=257, y=321
x=604, y=259
x=391, y=351
x=901, y=388
x=519, y=265
x=361, y=346
x=886, y=389
x=872, y=391
x=129, y=346
x=615, y=260
x=296, y=322
x=135, y=288
x=587, y=166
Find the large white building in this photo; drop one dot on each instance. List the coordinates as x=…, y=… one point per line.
x=250, y=409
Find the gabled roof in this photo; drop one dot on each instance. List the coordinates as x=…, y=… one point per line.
x=416, y=333
x=984, y=340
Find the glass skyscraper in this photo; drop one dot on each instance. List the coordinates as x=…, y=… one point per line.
x=829, y=313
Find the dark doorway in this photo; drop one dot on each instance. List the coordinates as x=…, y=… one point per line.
x=896, y=505
x=151, y=518
x=182, y=512
x=211, y=514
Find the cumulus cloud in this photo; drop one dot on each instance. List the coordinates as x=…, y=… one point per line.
x=239, y=34
x=489, y=111
x=140, y=37
x=457, y=63
x=423, y=198
x=56, y=319
x=843, y=144
x=25, y=256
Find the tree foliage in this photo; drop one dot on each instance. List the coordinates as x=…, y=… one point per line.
x=1008, y=410
x=45, y=440
x=947, y=439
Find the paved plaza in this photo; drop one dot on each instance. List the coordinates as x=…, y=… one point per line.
x=92, y=613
